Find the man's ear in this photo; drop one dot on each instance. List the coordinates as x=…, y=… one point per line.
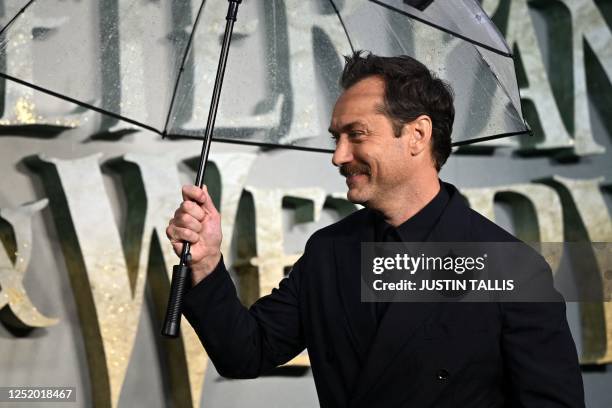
x=418, y=133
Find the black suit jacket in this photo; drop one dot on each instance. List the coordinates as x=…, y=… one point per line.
x=422, y=355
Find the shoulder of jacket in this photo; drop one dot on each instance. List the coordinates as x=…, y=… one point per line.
x=482, y=228
x=343, y=227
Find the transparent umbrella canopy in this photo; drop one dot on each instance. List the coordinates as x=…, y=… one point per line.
x=153, y=64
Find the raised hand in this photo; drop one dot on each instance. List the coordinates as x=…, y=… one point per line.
x=198, y=222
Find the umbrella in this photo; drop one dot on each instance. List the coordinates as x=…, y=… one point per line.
x=286, y=89
x=285, y=61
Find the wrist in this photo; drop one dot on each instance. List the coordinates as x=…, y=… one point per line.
x=205, y=267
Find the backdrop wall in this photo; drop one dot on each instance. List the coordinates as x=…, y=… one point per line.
x=84, y=202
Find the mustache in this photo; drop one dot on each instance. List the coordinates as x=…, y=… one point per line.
x=348, y=169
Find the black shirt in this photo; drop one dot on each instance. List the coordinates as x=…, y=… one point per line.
x=414, y=229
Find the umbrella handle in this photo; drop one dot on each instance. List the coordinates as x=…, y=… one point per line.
x=181, y=273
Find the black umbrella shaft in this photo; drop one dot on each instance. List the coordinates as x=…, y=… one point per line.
x=214, y=104
x=181, y=273
x=212, y=115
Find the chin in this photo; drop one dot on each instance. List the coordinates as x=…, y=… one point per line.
x=356, y=198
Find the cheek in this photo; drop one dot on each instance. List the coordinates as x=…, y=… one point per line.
x=394, y=168
x=362, y=156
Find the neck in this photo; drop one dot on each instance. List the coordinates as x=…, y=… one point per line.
x=409, y=201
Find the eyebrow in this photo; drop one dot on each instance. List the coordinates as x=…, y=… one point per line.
x=346, y=127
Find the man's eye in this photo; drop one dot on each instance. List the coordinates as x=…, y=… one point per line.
x=355, y=133
x=334, y=138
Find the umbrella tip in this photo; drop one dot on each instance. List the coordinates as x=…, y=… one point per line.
x=529, y=130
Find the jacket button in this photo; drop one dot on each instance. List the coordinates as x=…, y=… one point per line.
x=442, y=375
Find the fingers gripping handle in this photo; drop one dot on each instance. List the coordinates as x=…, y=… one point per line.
x=180, y=279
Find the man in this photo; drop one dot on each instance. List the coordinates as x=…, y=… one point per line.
x=392, y=127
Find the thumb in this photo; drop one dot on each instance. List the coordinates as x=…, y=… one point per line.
x=207, y=203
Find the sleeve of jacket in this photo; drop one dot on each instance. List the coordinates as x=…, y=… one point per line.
x=540, y=357
x=241, y=342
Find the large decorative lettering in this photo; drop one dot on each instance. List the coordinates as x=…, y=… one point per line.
x=16, y=308
x=23, y=106
x=588, y=220
x=588, y=25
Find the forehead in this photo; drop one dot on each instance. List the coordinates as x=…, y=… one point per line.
x=363, y=98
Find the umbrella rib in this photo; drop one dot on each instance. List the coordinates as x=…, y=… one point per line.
x=503, y=88
x=182, y=68
x=81, y=103
x=224, y=140
x=321, y=150
x=23, y=9
x=441, y=28
x=342, y=24
x=251, y=143
x=485, y=138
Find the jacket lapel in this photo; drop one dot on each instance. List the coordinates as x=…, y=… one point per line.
x=360, y=322
x=402, y=319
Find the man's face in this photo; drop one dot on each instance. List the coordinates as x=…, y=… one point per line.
x=376, y=164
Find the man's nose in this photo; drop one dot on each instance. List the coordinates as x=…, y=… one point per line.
x=343, y=153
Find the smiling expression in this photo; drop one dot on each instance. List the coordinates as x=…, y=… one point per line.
x=376, y=163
